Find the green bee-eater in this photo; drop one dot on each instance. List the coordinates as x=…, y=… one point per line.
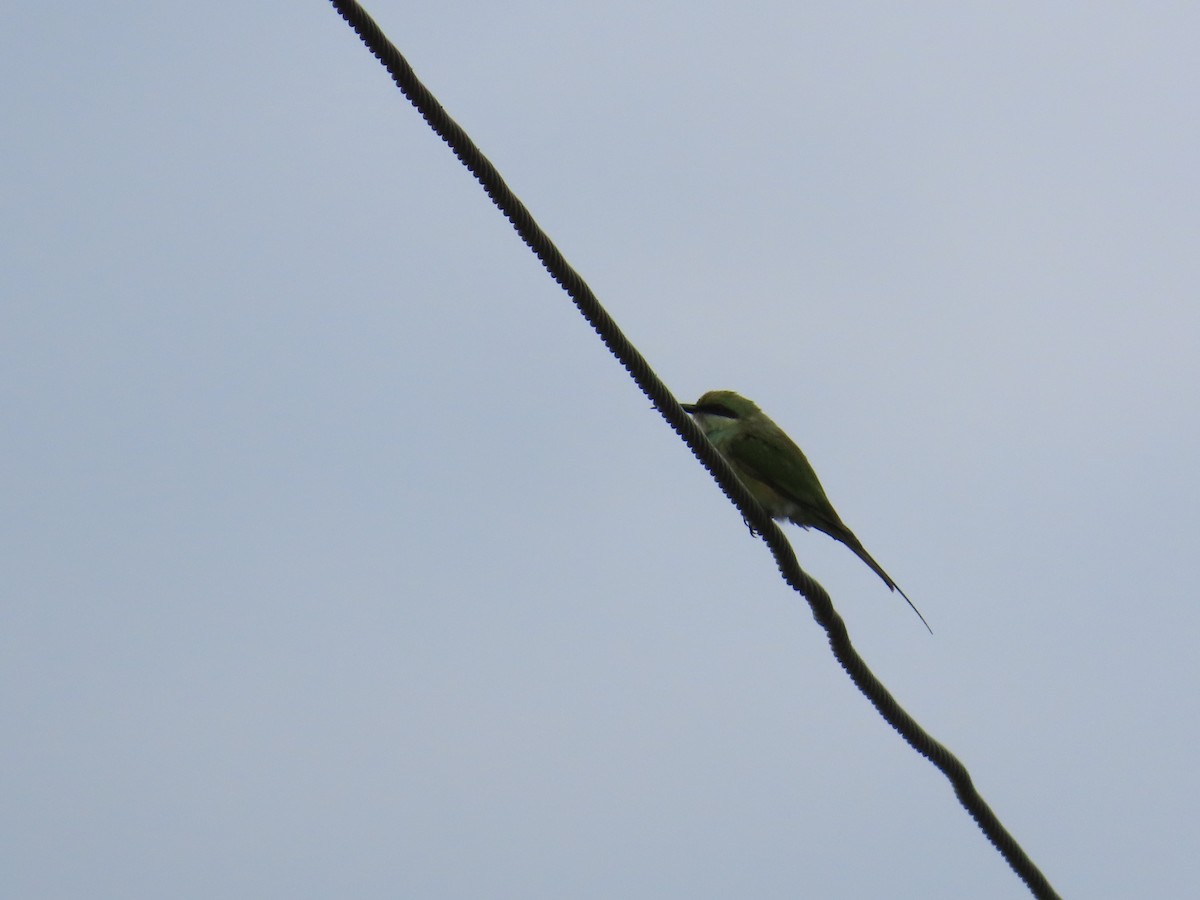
x=775, y=470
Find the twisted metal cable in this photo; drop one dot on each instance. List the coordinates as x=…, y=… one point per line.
x=755, y=516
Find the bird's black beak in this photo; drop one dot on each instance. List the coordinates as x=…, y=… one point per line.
x=689, y=408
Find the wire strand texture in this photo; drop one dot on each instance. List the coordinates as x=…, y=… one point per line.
x=637, y=366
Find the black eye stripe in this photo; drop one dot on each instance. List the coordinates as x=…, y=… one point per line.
x=717, y=409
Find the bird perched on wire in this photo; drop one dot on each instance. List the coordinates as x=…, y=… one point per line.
x=776, y=471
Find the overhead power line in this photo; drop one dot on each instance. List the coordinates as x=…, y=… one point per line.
x=570, y=280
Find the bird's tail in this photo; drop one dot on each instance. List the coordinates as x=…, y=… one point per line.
x=846, y=536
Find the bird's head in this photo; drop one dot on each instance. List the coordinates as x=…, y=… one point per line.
x=721, y=409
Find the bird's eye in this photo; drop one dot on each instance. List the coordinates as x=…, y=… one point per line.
x=719, y=409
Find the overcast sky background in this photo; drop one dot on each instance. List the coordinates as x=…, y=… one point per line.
x=341, y=560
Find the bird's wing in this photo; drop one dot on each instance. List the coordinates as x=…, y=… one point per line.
x=783, y=467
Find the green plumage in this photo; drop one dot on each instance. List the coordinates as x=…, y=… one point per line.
x=776, y=471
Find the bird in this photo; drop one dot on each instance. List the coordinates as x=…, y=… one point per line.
x=776, y=471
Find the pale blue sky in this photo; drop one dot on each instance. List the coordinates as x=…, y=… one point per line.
x=340, y=560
